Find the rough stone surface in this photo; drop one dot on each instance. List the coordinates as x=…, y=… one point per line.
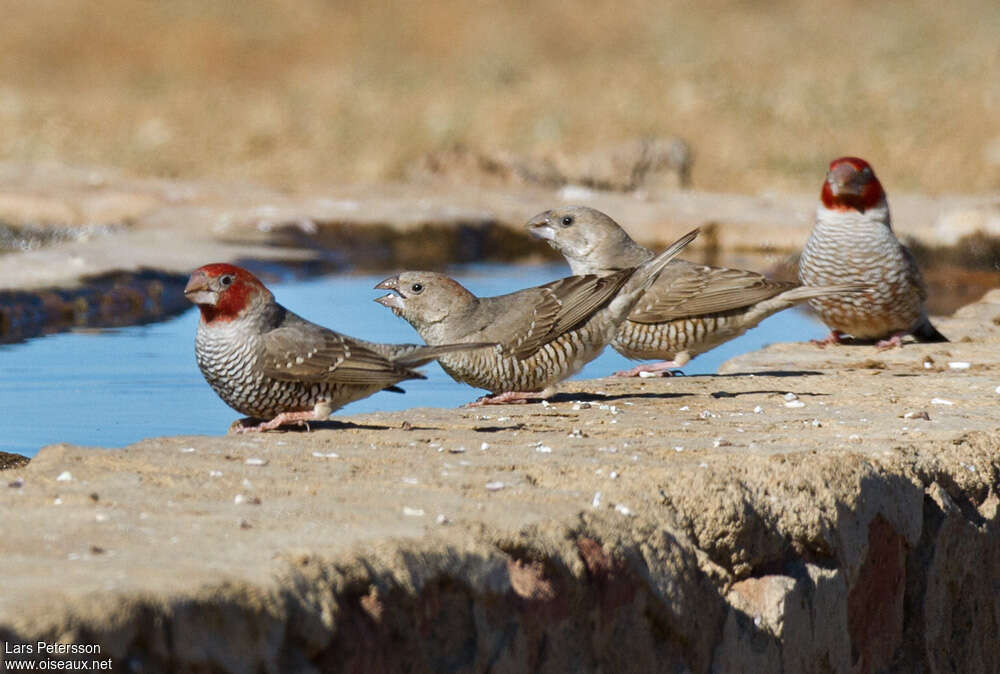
x=687, y=524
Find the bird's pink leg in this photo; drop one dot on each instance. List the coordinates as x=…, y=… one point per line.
x=835, y=337
x=280, y=420
x=663, y=369
x=895, y=341
x=510, y=397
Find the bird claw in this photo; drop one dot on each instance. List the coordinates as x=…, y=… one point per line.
x=896, y=341
x=835, y=337
x=509, y=398
x=662, y=369
x=285, y=418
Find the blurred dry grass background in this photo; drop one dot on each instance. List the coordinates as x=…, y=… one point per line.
x=310, y=92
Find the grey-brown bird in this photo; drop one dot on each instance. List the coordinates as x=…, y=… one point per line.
x=690, y=309
x=276, y=367
x=852, y=240
x=544, y=334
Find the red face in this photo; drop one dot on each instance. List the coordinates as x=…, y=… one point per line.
x=851, y=185
x=222, y=291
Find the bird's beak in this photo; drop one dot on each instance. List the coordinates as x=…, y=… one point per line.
x=843, y=181
x=199, y=291
x=394, y=300
x=541, y=227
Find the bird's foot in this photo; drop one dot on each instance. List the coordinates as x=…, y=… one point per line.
x=247, y=425
x=510, y=398
x=661, y=369
x=835, y=337
x=896, y=341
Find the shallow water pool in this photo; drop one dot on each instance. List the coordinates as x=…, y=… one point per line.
x=110, y=388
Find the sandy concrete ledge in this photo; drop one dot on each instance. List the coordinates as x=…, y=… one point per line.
x=100, y=220
x=812, y=510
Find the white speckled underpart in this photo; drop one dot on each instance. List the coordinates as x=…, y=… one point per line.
x=848, y=246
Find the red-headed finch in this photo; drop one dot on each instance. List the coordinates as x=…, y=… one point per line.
x=852, y=241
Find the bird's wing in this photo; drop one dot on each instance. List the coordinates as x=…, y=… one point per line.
x=561, y=306
x=696, y=290
x=299, y=350
x=913, y=273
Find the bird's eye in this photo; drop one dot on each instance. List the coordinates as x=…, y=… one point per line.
x=226, y=280
x=417, y=288
x=567, y=220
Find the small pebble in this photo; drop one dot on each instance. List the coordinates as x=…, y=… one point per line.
x=442, y=519
x=791, y=396
x=721, y=442
x=543, y=449
x=546, y=403
x=64, y=476
x=239, y=498
x=959, y=365
x=623, y=509
x=253, y=461
x=16, y=483
x=495, y=486
x=412, y=512
x=575, y=433
x=613, y=475
x=854, y=438
x=483, y=447
x=941, y=401
x=457, y=450
x=706, y=414
x=596, y=501
x=57, y=501
x=685, y=408
x=245, y=524
x=215, y=473
x=922, y=414
x=795, y=403
x=758, y=409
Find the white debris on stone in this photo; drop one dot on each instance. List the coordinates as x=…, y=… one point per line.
x=495, y=486
x=101, y=517
x=246, y=484
x=442, y=519
x=791, y=396
x=483, y=447
x=758, y=410
x=543, y=449
x=795, y=403
x=613, y=475
x=239, y=498
x=546, y=403
x=623, y=509
x=854, y=437
x=706, y=414
x=685, y=408
x=187, y=450
x=959, y=365
x=254, y=461
x=327, y=455
x=410, y=480
x=678, y=449
x=596, y=501
x=65, y=476
x=57, y=501
x=575, y=433
x=412, y=512
x=646, y=375
x=941, y=401
x=215, y=473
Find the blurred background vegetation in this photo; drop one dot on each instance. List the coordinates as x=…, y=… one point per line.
x=300, y=93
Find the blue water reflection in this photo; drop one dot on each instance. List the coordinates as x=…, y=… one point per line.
x=110, y=388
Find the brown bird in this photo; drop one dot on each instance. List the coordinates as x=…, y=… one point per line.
x=268, y=363
x=853, y=241
x=544, y=334
x=690, y=309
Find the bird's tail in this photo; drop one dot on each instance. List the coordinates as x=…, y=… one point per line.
x=415, y=355
x=646, y=275
x=802, y=293
x=926, y=332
